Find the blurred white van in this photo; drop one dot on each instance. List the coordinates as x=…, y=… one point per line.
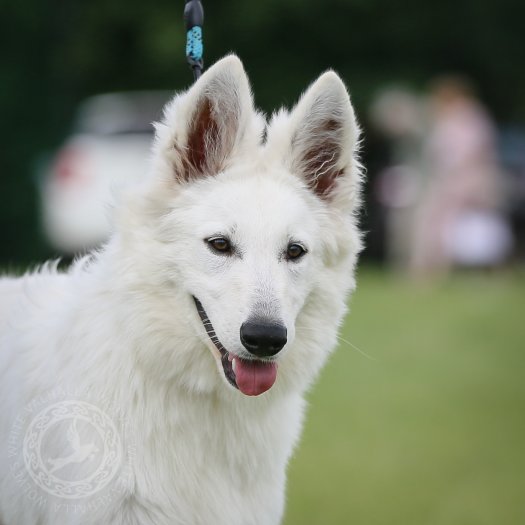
x=108, y=150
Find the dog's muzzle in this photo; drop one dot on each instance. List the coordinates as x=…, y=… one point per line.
x=251, y=376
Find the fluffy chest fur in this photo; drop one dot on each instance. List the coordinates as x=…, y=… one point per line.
x=189, y=457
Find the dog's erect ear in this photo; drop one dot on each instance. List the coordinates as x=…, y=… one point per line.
x=203, y=128
x=321, y=136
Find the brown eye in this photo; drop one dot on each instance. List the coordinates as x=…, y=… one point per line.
x=220, y=245
x=294, y=251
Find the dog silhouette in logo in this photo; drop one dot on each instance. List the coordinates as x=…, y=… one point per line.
x=80, y=452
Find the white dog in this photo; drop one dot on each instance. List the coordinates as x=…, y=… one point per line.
x=196, y=331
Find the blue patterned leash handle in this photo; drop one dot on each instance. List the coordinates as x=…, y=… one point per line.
x=193, y=20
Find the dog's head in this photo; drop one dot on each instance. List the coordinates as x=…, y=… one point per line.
x=256, y=226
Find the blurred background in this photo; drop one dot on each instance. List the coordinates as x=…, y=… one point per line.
x=419, y=417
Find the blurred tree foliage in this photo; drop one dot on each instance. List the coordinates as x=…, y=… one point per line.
x=55, y=53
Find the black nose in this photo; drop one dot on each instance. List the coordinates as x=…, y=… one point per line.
x=263, y=338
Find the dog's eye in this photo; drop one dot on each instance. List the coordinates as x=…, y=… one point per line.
x=220, y=245
x=295, y=251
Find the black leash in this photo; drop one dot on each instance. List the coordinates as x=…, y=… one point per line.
x=193, y=20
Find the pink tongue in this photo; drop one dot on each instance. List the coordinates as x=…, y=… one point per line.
x=254, y=377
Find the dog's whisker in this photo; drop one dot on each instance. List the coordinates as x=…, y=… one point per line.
x=355, y=347
x=343, y=340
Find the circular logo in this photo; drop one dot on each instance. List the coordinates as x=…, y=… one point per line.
x=72, y=449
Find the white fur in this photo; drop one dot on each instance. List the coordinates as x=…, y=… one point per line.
x=122, y=325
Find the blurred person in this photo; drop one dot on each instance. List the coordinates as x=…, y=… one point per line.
x=397, y=113
x=458, y=220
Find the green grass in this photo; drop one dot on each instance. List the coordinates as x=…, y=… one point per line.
x=431, y=431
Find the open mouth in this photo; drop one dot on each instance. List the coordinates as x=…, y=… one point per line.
x=251, y=376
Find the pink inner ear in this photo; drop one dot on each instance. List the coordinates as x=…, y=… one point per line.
x=324, y=184
x=202, y=139
x=321, y=159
